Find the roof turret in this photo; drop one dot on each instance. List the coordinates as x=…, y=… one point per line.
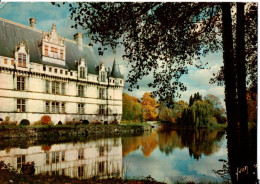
x=116, y=71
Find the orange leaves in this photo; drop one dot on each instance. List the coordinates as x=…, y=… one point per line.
x=149, y=105
x=46, y=119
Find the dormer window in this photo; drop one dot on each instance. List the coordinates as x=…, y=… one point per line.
x=82, y=73
x=22, y=56
x=21, y=60
x=103, y=77
x=54, y=52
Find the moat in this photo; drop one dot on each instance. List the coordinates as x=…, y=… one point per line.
x=167, y=156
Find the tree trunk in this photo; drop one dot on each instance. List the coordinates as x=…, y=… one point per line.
x=229, y=67
x=241, y=68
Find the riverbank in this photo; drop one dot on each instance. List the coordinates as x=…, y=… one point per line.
x=71, y=131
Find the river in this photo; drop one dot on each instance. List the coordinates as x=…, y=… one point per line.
x=177, y=155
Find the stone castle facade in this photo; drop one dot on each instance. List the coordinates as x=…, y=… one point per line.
x=42, y=73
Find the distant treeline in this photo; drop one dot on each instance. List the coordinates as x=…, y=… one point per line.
x=197, y=113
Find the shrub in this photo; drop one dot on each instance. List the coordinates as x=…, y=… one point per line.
x=114, y=122
x=96, y=122
x=85, y=122
x=59, y=123
x=7, y=118
x=25, y=122
x=46, y=119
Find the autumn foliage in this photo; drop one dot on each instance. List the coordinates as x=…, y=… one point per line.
x=132, y=108
x=46, y=119
x=149, y=105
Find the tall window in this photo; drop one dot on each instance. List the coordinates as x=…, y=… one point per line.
x=20, y=161
x=5, y=61
x=103, y=77
x=81, y=108
x=20, y=105
x=55, y=157
x=46, y=50
x=80, y=171
x=55, y=87
x=62, y=107
x=63, y=156
x=63, y=88
x=47, y=86
x=61, y=54
x=47, y=107
x=82, y=73
x=101, y=109
x=21, y=60
x=47, y=158
x=102, y=93
x=80, y=91
x=55, y=107
x=12, y=62
x=20, y=83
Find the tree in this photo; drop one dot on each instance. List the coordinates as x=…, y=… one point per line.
x=166, y=114
x=196, y=97
x=174, y=34
x=132, y=108
x=149, y=105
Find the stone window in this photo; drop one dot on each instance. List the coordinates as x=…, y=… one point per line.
x=22, y=60
x=81, y=154
x=20, y=161
x=5, y=61
x=63, y=88
x=55, y=70
x=50, y=69
x=61, y=54
x=47, y=107
x=47, y=86
x=102, y=93
x=55, y=87
x=101, y=150
x=55, y=107
x=46, y=50
x=20, y=105
x=66, y=72
x=82, y=73
x=47, y=158
x=71, y=73
x=101, y=109
x=62, y=107
x=101, y=167
x=80, y=91
x=61, y=71
x=103, y=76
x=63, y=156
x=20, y=83
x=54, y=52
x=120, y=81
x=55, y=157
x=44, y=68
x=80, y=171
x=81, y=108
x=12, y=62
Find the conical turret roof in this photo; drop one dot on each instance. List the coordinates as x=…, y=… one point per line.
x=116, y=71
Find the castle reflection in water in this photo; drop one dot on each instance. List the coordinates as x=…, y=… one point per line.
x=100, y=158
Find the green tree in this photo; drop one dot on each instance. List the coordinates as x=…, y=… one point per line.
x=132, y=108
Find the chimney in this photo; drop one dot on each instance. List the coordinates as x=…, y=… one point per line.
x=32, y=22
x=78, y=38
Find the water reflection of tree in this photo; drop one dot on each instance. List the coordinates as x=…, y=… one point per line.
x=198, y=141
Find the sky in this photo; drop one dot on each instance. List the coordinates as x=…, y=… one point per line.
x=46, y=14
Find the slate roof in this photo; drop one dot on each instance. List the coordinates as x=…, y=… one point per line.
x=11, y=34
x=116, y=71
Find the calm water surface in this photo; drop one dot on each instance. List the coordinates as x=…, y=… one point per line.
x=167, y=156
